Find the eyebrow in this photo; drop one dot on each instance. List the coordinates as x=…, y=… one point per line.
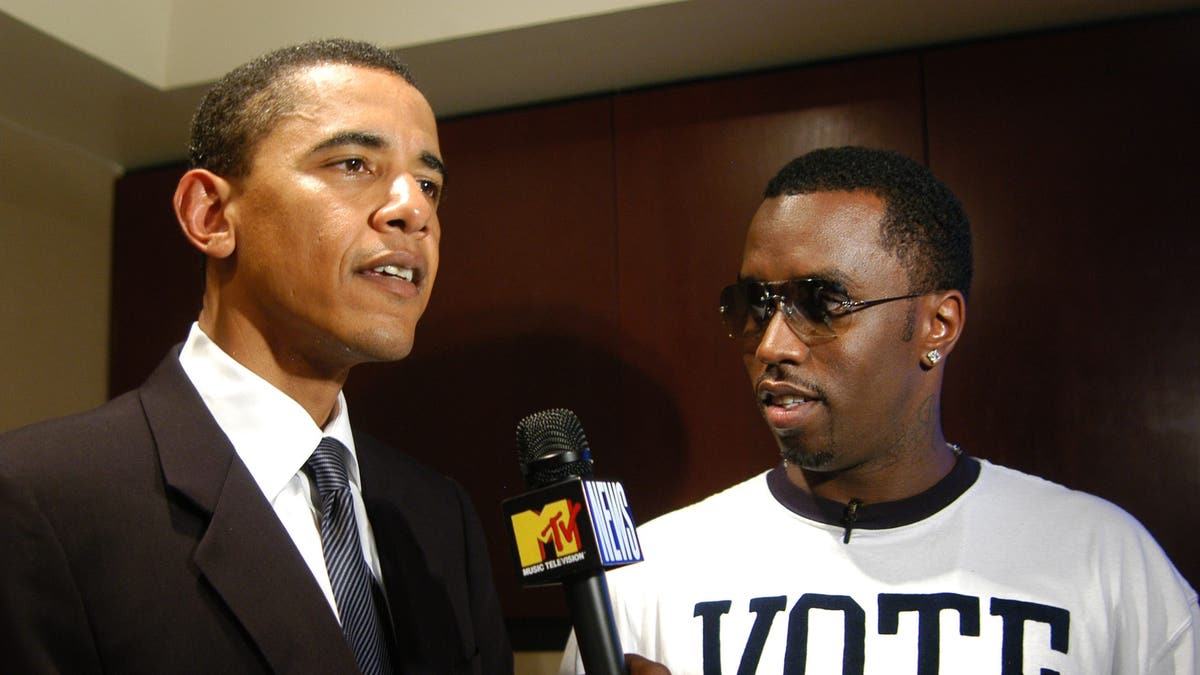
x=362, y=138
x=367, y=139
x=434, y=162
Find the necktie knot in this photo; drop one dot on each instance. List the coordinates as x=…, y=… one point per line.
x=327, y=466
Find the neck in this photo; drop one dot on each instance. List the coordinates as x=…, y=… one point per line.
x=315, y=389
x=890, y=477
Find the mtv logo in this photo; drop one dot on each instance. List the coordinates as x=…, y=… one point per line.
x=570, y=527
x=556, y=523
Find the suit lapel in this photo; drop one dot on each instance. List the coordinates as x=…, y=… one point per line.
x=245, y=554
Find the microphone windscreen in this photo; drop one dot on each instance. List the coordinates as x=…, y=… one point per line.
x=551, y=447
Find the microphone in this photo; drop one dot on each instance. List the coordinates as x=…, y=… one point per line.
x=568, y=528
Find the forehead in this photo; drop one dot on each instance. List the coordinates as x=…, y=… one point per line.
x=327, y=99
x=832, y=235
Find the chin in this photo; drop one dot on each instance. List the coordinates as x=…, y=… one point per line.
x=387, y=353
x=381, y=347
x=819, y=460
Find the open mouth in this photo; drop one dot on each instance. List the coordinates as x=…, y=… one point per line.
x=783, y=400
x=406, y=273
x=780, y=394
x=785, y=407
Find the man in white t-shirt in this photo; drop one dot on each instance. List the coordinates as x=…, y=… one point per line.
x=876, y=546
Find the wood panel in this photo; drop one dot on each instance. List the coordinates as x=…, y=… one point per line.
x=1075, y=156
x=692, y=164
x=157, y=277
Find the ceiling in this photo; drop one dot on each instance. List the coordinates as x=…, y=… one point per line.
x=117, y=81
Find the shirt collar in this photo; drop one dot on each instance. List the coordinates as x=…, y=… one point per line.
x=272, y=433
x=878, y=516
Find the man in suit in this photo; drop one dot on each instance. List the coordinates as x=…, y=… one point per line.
x=187, y=526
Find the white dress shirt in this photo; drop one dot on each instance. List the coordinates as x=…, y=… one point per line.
x=274, y=436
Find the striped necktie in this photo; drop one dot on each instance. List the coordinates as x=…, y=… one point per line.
x=348, y=572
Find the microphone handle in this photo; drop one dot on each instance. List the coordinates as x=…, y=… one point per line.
x=595, y=629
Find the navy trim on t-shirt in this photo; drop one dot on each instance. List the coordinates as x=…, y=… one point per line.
x=875, y=516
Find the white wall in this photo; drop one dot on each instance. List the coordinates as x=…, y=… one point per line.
x=55, y=242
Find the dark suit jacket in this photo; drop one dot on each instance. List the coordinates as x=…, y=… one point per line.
x=134, y=540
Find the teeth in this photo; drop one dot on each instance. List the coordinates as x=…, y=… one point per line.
x=788, y=401
x=393, y=271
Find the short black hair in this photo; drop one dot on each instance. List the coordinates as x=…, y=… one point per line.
x=924, y=225
x=245, y=104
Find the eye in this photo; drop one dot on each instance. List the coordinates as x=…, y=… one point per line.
x=828, y=304
x=759, y=302
x=431, y=189
x=754, y=295
x=352, y=165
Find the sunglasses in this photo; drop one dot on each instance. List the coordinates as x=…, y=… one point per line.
x=810, y=307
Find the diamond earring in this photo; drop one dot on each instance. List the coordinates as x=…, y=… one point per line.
x=934, y=356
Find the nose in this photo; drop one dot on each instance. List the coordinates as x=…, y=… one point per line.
x=407, y=208
x=779, y=343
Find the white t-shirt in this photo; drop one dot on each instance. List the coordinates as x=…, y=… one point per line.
x=992, y=572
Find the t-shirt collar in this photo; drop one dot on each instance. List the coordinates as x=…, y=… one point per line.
x=878, y=516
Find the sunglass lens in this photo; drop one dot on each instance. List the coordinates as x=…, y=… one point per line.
x=735, y=311
x=747, y=307
x=808, y=305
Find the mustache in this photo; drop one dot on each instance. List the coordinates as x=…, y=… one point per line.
x=786, y=374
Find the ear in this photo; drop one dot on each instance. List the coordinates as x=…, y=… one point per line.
x=201, y=200
x=942, y=327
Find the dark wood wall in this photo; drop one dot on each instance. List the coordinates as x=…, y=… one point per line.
x=584, y=244
x=1075, y=155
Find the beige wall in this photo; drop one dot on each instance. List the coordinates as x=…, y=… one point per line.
x=536, y=663
x=55, y=235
